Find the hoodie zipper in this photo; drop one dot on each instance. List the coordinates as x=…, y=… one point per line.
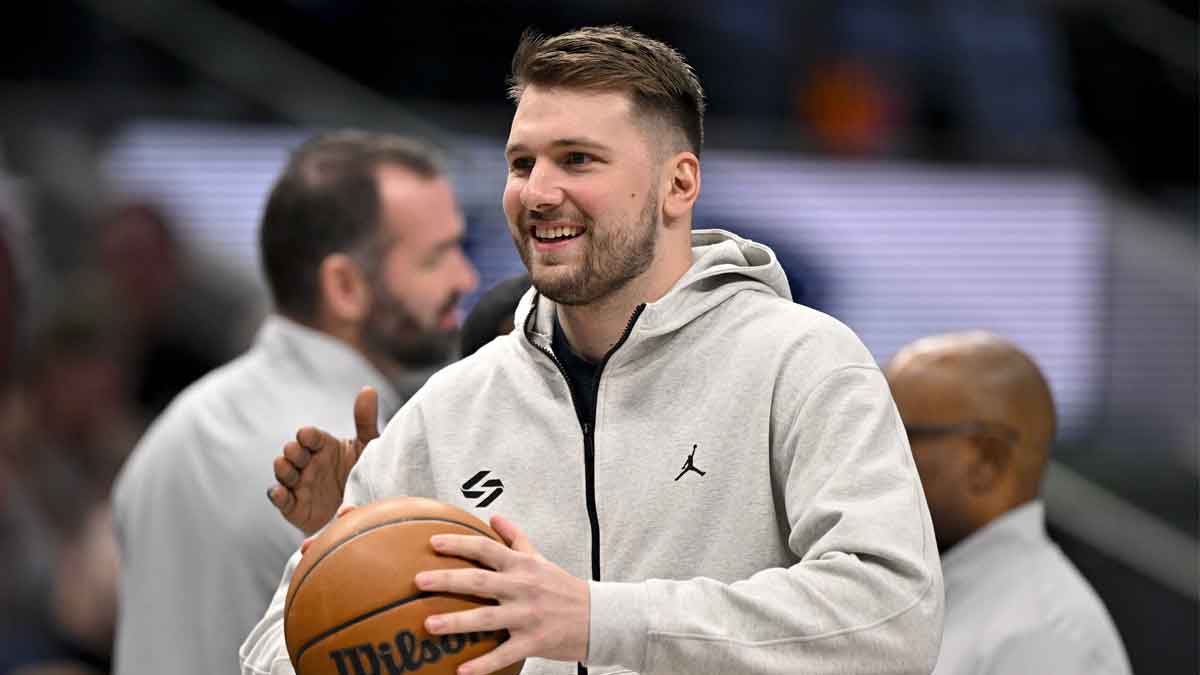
x=589, y=440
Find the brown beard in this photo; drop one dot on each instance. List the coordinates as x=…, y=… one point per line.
x=611, y=259
x=393, y=332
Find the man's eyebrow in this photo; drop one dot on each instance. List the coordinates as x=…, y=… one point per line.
x=558, y=143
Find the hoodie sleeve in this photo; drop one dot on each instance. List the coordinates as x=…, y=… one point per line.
x=264, y=651
x=866, y=594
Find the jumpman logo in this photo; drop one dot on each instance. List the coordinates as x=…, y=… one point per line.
x=688, y=466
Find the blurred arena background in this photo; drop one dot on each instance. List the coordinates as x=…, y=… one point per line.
x=1028, y=167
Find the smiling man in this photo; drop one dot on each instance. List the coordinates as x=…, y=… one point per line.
x=800, y=540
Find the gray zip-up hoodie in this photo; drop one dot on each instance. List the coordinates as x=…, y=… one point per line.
x=745, y=502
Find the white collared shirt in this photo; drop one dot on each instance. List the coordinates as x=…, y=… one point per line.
x=1015, y=604
x=201, y=545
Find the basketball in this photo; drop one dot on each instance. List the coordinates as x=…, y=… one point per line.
x=352, y=606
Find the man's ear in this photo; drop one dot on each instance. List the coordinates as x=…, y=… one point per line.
x=683, y=188
x=992, y=461
x=343, y=287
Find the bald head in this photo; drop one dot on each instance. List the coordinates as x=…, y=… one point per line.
x=993, y=398
x=986, y=378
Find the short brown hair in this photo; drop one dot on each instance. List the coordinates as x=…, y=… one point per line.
x=326, y=201
x=655, y=75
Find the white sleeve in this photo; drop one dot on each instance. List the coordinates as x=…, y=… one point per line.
x=1047, y=650
x=866, y=594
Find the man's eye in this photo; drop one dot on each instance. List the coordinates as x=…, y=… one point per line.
x=577, y=158
x=521, y=164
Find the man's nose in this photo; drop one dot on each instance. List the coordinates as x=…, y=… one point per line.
x=542, y=190
x=468, y=276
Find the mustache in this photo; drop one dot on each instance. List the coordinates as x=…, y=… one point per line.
x=555, y=215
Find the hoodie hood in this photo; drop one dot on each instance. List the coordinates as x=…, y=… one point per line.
x=723, y=265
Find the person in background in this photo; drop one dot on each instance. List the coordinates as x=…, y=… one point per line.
x=361, y=244
x=492, y=315
x=981, y=422
x=165, y=298
x=76, y=420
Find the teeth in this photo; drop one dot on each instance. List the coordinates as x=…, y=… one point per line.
x=558, y=232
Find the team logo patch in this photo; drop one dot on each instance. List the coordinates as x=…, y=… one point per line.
x=489, y=490
x=690, y=465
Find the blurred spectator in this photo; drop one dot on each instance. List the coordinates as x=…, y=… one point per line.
x=25, y=543
x=182, y=321
x=981, y=421
x=492, y=315
x=84, y=599
x=74, y=421
x=77, y=386
x=360, y=242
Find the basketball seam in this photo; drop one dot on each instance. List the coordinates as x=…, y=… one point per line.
x=356, y=535
x=374, y=527
x=350, y=622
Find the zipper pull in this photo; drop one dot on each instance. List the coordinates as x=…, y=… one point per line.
x=587, y=429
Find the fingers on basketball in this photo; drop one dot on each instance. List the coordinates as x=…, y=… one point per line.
x=361, y=576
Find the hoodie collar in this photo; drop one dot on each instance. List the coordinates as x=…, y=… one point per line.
x=723, y=265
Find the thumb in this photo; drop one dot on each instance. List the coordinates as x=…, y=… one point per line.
x=512, y=535
x=366, y=415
